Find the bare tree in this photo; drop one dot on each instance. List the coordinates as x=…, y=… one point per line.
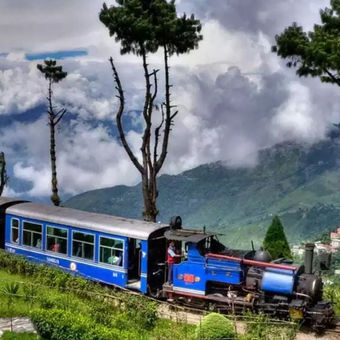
x=142, y=26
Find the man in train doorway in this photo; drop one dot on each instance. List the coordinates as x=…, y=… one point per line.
x=172, y=258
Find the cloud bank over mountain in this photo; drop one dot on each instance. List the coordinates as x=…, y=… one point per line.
x=234, y=96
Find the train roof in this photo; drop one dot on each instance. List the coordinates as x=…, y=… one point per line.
x=187, y=235
x=87, y=220
x=6, y=200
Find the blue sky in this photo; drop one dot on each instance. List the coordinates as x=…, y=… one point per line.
x=234, y=96
x=56, y=55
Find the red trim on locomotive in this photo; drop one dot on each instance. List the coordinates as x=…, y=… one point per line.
x=251, y=262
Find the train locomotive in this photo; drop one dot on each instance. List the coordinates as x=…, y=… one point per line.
x=132, y=254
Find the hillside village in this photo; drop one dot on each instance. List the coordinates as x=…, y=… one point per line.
x=322, y=247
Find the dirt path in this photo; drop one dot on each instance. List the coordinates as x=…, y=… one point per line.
x=19, y=325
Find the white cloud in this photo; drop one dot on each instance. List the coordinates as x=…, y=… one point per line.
x=87, y=158
x=294, y=118
x=20, y=88
x=40, y=177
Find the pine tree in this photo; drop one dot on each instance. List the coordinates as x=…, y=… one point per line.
x=54, y=74
x=314, y=53
x=275, y=241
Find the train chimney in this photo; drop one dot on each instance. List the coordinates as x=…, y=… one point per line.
x=309, y=252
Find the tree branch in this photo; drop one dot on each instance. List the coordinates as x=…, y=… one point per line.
x=157, y=134
x=333, y=77
x=59, y=116
x=147, y=113
x=168, y=117
x=119, y=118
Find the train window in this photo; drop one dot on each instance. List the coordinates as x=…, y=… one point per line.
x=15, y=230
x=83, y=245
x=32, y=235
x=111, y=251
x=56, y=240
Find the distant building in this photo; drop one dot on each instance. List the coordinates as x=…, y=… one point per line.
x=322, y=247
x=298, y=250
x=335, y=240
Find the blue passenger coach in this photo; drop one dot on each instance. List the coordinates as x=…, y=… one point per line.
x=104, y=248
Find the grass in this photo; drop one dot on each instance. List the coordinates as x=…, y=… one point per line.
x=46, y=298
x=19, y=336
x=166, y=329
x=43, y=297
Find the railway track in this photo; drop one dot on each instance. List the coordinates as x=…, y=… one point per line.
x=335, y=330
x=194, y=316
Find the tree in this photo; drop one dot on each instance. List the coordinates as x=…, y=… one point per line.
x=54, y=74
x=314, y=53
x=275, y=241
x=142, y=27
x=3, y=173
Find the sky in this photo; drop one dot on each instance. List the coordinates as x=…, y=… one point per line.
x=234, y=96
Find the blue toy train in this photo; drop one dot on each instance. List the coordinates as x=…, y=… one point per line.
x=132, y=254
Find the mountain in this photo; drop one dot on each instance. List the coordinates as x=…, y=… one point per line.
x=300, y=183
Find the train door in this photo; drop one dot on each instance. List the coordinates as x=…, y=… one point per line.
x=134, y=263
x=7, y=202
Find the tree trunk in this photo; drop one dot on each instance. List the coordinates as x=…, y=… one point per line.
x=150, y=193
x=148, y=175
x=54, y=197
x=3, y=176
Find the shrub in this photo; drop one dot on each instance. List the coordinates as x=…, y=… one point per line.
x=30, y=292
x=139, y=309
x=215, y=327
x=56, y=324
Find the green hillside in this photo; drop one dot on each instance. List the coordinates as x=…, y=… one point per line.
x=300, y=183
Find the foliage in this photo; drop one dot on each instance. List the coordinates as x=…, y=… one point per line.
x=30, y=292
x=139, y=309
x=331, y=292
x=11, y=291
x=135, y=311
x=51, y=71
x=324, y=237
x=275, y=241
x=215, y=327
x=57, y=324
x=19, y=336
x=259, y=326
x=315, y=53
x=165, y=329
x=335, y=261
x=143, y=26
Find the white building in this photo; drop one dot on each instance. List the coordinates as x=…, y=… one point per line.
x=335, y=240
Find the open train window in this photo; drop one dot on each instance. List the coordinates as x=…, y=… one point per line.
x=56, y=240
x=111, y=251
x=14, y=230
x=83, y=245
x=32, y=235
